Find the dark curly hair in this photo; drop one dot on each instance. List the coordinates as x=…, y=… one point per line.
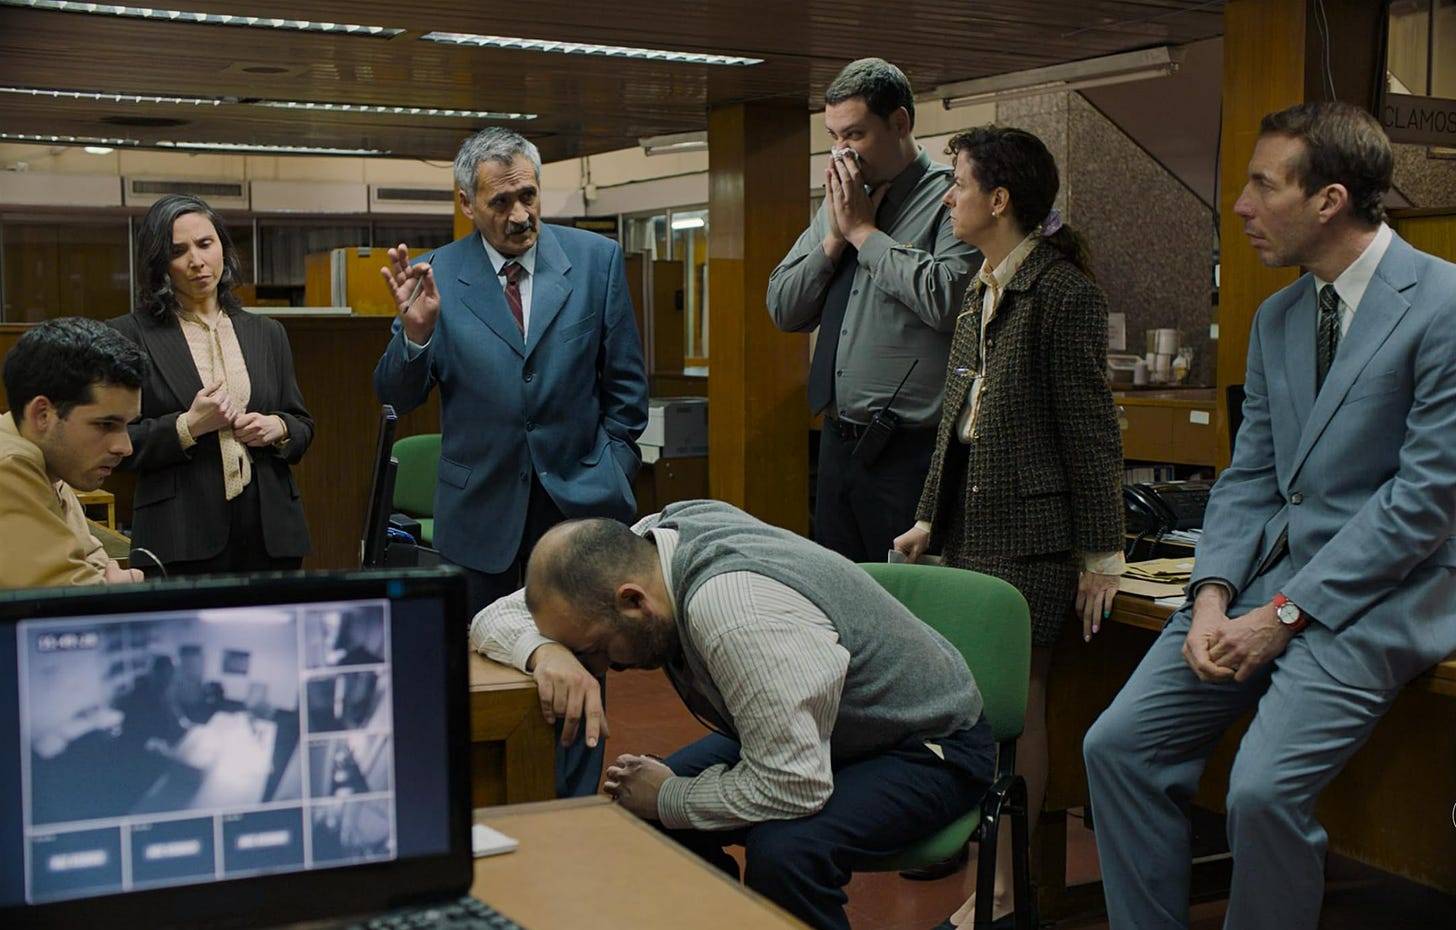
x=64, y=358
x=155, y=295
x=1017, y=160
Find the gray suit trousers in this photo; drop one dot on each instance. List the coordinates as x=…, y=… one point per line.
x=1147, y=751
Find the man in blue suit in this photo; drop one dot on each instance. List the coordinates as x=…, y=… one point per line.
x=1326, y=576
x=529, y=332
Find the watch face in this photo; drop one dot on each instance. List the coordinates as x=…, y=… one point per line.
x=1288, y=613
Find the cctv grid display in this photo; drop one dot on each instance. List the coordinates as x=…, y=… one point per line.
x=265, y=746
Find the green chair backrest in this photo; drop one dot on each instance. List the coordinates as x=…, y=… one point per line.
x=985, y=618
x=414, y=480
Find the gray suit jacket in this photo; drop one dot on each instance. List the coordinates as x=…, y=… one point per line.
x=1362, y=477
x=567, y=403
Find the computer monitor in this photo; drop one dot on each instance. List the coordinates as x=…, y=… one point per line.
x=221, y=752
x=381, y=494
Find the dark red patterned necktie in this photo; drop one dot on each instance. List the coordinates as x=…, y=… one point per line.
x=512, y=272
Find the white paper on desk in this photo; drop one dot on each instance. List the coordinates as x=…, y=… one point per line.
x=488, y=841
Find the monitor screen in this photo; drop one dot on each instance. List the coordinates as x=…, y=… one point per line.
x=176, y=737
x=381, y=494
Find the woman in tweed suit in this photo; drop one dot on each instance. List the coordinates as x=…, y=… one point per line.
x=1025, y=482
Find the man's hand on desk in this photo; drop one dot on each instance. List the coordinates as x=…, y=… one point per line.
x=1245, y=643
x=115, y=574
x=567, y=690
x=634, y=781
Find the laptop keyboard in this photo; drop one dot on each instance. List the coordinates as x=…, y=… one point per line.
x=465, y=914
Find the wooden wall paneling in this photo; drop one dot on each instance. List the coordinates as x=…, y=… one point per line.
x=1274, y=58
x=1263, y=71
x=636, y=290
x=1432, y=231
x=335, y=359
x=757, y=448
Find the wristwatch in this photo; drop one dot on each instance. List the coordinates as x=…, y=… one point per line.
x=1290, y=615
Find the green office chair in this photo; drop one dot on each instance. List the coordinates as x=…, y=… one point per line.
x=414, y=480
x=988, y=621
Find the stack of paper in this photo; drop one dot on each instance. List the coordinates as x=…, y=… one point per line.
x=1157, y=577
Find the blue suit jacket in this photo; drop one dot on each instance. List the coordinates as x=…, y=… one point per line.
x=568, y=403
x=1362, y=477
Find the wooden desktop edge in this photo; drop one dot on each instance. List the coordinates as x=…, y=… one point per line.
x=571, y=808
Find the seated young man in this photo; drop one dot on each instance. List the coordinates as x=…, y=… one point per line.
x=72, y=385
x=844, y=725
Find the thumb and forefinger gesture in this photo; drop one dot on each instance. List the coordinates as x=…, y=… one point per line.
x=415, y=296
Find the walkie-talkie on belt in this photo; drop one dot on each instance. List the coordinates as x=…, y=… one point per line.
x=881, y=426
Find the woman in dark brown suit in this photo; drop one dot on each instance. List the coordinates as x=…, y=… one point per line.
x=1025, y=482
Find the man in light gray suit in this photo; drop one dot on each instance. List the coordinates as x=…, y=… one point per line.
x=1326, y=576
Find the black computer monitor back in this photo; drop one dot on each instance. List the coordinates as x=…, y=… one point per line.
x=233, y=753
x=381, y=494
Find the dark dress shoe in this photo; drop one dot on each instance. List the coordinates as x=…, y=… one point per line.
x=944, y=925
x=947, y=866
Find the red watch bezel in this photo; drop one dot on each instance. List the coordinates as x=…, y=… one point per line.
x=1280, y=601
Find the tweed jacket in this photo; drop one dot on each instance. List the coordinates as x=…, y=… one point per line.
x=1044, y=472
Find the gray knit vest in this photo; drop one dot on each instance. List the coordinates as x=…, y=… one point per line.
x=904, y=679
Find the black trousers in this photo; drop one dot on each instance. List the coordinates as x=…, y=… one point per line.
x=484, y=588
x=578, y=767
x=859, y=510
x=244, y=553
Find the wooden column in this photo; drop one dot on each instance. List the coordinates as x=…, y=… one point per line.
x=758, y=454
x=1273, y=57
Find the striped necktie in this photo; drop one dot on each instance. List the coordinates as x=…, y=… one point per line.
x=1327, y=336
x=512, y=272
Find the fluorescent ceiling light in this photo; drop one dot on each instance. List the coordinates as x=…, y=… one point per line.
x=1075, y=75
x=674, y=143
x=251, y=148
x=278, y=104
x=115, y=98
x=688, y=222
x=584, y=48
x=66, y=140
x=392, y=110
x=211, y=19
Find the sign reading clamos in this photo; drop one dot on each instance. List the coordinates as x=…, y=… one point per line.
x=1419, y=120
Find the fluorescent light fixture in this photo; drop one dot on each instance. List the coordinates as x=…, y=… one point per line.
x=98, y=150
x=278, y=104
x=211, y=19
x=392, y=110
x=585, y=48
x=688, y=222
x=1074, y=75
x=66, y=140
x=674, y=143
x=252, y=148
x=115, y=98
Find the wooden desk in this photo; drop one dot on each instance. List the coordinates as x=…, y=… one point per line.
x=100, y=498
x=512, y=748
x=1390, y=808
x=585, y=862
